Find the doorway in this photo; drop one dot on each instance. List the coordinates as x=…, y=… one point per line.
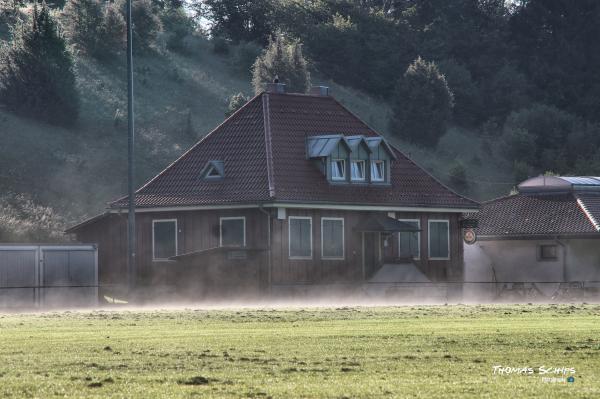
x=371, y=253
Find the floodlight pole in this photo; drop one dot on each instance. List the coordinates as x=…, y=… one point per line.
x=131, y=246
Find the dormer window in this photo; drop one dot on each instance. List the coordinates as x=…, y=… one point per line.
x=338, y=169
x=213, y=170
x=357, y=170
x=378, y=171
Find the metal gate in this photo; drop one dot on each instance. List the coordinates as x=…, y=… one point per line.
x=48, y=275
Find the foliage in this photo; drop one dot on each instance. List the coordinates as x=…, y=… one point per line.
x=22, y=220
x=458, y=176
x=113, y=30
x=236, y=102
x=83, y=20
x=37, y=76
x=547, y=138
x=146, y=23
x=422, y=104
x=177, y=25
x=244, y=56
x=281, y=60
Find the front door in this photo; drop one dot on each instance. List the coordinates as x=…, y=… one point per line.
x=371, y=242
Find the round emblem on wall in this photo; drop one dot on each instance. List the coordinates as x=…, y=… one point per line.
x=469, y=236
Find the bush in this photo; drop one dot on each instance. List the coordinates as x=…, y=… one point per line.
x=37, y=76
x=422, y=104
x=22, y=220
x=113, y=31
x=281, y=60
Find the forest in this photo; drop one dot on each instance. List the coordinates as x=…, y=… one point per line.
x=483, y=93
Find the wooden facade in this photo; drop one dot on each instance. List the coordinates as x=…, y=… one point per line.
x=269, y=263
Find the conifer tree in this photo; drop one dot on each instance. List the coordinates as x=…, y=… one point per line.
x=37, y=76
x=284, y=61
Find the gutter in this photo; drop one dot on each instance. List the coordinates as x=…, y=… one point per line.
x=564, y=256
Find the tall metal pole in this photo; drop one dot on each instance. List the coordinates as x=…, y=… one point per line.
x=130, y=157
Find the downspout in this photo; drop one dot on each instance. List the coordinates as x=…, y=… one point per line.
x=269, y=254
x=564, y=256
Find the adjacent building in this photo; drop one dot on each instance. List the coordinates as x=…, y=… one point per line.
x=546, y=234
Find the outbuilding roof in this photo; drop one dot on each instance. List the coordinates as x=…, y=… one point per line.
x=545, y=206
x=263, y=147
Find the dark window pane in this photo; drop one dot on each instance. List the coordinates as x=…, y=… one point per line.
x=300, y=238
x=333, y=238
x=165, y=242
x=548, y=252
x=232, y=232
x=409, y=242
x=438, y=240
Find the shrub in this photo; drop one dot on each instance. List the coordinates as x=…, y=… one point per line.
x=236, y=102
x=37, y=76
x=281, y=60
x=82, y=23
x=422, y=104
x=22, y=220
x=112, y=32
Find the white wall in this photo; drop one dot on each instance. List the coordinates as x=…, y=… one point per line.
x=517, y=261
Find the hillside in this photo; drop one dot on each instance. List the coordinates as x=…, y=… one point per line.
x=178, y=99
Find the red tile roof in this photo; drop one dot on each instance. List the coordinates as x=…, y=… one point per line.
x=525, y=215
x=263, y=146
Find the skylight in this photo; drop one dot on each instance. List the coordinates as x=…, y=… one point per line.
x=213, y=170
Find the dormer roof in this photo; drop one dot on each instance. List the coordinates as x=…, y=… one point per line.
x=324, y=145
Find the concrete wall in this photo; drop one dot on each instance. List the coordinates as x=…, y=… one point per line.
x=518, y=261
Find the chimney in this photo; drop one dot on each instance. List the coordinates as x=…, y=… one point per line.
x=319, y=90
x=276, y=87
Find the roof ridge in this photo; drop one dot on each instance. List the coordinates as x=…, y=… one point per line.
x=162, y=172
x=268, y=144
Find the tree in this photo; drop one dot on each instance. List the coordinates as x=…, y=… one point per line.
x=37, y=76
x=236, y=102
x=82, y=23
x=94, y=26
x=422, y=104
x=146, y=23
x=281, y=60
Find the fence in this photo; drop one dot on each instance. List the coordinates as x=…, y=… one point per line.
x=48, y=275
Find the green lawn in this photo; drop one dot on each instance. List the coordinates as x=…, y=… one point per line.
x=421, y=351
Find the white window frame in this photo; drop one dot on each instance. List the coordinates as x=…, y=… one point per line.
x=343, y=257
x=429, y=222
x=309, y=218
x=375, y=161
x=364, y=178
x=154, y=258
x=418, y=236
x=243, y=218
x=333, y=161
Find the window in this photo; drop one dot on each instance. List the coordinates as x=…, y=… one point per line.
x=439, y=239
x=300, y=237
x=547, y=252
x=213, y=173
x=338, y=169
x=377, y=170
x=233, y=232
x=409, y=242
x=164, y=239
x=332, y=238
x=357, y=169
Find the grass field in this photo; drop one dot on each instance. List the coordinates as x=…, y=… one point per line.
x=422, y=351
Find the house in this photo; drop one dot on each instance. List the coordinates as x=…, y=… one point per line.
x=292, y=190
x=543, y=241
